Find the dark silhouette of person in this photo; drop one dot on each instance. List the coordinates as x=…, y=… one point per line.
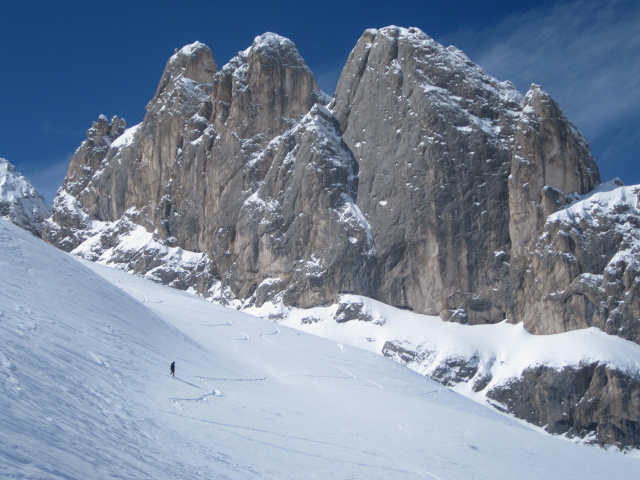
x=173, y=368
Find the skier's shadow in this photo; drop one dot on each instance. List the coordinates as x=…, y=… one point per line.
x=189, y=383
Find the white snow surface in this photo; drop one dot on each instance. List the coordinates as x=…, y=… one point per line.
x=86, y=393
x=604, y=199
x=192, y=48
x=136, y=239
x=504, y=350
x=127, y=137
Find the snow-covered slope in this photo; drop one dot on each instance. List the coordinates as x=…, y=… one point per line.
x=86, y=393
x=20, y=202
x=476, y=361
x=502, y=351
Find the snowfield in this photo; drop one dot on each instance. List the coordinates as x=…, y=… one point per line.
x=86, y=393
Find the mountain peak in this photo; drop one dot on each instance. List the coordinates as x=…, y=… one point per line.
x=193, y=62
x=268, y=82
x=273, y=47
x=20, y=202
x=272, y=40
x=192, y=48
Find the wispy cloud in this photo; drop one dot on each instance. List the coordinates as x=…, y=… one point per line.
x=585, y=53
x=46, y=176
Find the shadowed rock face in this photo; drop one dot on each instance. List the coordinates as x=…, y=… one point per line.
x=432, y=135
x=577, y=401
x=424, y=183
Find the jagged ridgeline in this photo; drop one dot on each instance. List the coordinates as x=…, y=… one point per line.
x=423, y=183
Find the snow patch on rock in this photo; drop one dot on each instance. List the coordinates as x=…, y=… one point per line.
x=20, y=202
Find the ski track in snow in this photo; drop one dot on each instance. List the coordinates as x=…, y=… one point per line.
x=237, y=379
x=245, y=338
x=267, y=335
x=212, y=392
x=228, y=323
x=230, y=428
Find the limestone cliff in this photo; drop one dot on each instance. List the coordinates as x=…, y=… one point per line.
x=432, y=134
x=424, y=183
x=432, y=188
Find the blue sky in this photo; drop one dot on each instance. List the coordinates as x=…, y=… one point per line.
x=66, y=62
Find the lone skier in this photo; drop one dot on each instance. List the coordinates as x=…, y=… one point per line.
x=173, y=369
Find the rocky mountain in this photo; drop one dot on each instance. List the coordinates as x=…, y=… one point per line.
x=423, y=183
x=20, y=202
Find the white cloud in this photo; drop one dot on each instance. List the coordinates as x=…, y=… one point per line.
x=585, y=53
x=327, y=76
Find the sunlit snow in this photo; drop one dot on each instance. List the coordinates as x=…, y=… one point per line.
x=86, y=393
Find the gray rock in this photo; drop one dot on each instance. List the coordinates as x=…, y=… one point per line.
x=351, y=311
x=302, y=225
x=399, y=353
x=432, y=135
x=591, y=400
x=583, y=269
x=550, y=160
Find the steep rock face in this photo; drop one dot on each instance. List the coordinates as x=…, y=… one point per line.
x=186, y=170
x=136, y=168
x=257, y=96
x=585, y=266
x=301, y=230
x=433, y=136
x=69, y=220
x=591, y=399
x=113, y=170
x=550, y=160
x=20, y=202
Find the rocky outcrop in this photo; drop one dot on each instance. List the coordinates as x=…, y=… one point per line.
x=424, y=183
x=73, y=206
x=305, y=205
x=583, y=270
x=20, y=202
x=590, y=400
x=185, y=172
x=574, y=259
